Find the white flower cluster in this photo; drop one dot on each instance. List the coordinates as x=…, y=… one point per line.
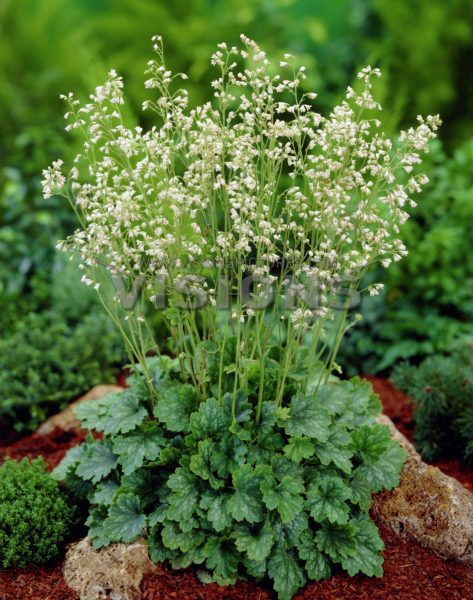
x=255, y=180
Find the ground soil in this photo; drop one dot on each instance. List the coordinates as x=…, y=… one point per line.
x=410, y=572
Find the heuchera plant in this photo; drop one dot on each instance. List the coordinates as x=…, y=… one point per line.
x=243, y=220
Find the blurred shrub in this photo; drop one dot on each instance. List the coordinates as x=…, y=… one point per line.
x=36, y=516
x=442, y=391
x=55, y=345
x=426, y=49
x=45, y=363
x=427, y=303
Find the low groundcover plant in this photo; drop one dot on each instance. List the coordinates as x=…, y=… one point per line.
x=36, y=516
x=243, y=221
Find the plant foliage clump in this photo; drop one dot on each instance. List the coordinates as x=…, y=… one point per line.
x=442, y=390
x=36, y=516
x=287, y=497
x=45, y=363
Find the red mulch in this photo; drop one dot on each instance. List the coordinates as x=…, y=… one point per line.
x=410, y=572
x=51, y=447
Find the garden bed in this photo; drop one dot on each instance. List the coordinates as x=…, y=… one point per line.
x=409, y=570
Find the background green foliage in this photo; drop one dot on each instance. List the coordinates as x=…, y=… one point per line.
x=52, y=46
x=36, y=516
x=442, y=391
x=427, y=304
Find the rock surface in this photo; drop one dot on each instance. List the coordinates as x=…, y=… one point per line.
x=114, y=572
x=428, y=507
x=66, y=420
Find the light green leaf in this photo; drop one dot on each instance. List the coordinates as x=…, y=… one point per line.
x=246, y=503
x=385, y=472
x=216, y=505
x=133, y=448
x=255, y=541
x=175, y=538
x=316, y=564
x=336, y=540
x=200, y=464
x=327, y=500
x=157, y=551
x=105, y=492
x=307, y=417
x=336, y=449
x=370, y=441
x=366, y=555
x=299, y=448
x=210, y=420
x=125, y=415
x=74, y=455
x=98, y=462
x=222, y=559
x=93, y=414
x=285, y=496
x=176, y=403
x=285, y=572
x=230, y=455
x=360, y=492
x=184, y=497
x=242, y=411
x=125, y=521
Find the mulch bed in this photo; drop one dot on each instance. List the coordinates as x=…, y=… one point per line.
x=410, y=572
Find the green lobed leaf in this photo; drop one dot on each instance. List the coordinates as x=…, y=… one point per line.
x=222, y=559
x=73, y=456
x=285, y=496
x=385, y=472
x=370, y=441
x=218, y=513
x=124, y=415
x=158, y=552
x=175, y=538
x=126, y=520
x=140, y=444
x=299, y=448
x=93, y=415
x=337, y=449
x=184, y=498
x=317, y=564
x=228, y=455
x=240, y=410
x=98, y=462
x=360, y=492
x=246, y=502
x=286, y=573
x=336, y=540
x=210, y=420
x=200, y=463
x=327, y=500
x=256, y=541
x=366, y=555
x=176, y=402
x=307, y=417
x=105, y=492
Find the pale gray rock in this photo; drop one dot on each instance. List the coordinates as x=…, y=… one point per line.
x=114, y=572
x=429, y=507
